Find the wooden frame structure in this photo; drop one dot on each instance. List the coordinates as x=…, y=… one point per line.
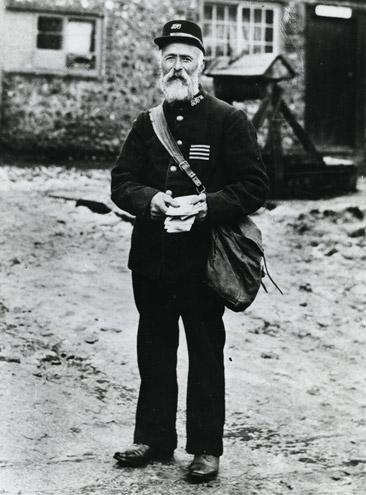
x=258, y=77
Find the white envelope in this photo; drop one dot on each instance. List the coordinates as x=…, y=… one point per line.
x=185, y=207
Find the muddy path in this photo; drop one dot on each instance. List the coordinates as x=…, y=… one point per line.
x=295, y=364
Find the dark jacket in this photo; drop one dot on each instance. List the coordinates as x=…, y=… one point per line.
x=229, y=165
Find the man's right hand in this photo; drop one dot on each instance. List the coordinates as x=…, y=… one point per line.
x=159, y=205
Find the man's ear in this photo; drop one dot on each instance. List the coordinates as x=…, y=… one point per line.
x=202, y=66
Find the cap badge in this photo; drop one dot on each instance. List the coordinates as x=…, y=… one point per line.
x=176, y=26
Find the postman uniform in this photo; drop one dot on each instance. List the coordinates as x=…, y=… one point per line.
x=169, y=268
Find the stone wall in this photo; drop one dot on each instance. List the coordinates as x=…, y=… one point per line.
x=74, y=116
x=59, y=114
x=294, y=50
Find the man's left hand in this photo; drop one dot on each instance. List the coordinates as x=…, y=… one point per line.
x=202, y=203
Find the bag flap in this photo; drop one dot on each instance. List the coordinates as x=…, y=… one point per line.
x=246, y=228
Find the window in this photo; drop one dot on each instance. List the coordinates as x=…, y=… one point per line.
x=66, y=43
x=244, y=27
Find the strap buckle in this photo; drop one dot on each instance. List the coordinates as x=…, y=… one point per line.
x=201, y=189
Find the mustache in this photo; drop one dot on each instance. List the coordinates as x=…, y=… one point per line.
x=175, y=76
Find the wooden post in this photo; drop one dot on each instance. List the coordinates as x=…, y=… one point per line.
x=300, y=133
x=262, y=113
x=274, y=144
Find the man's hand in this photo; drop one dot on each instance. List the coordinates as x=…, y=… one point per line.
x=159, y=205
x=202, y=203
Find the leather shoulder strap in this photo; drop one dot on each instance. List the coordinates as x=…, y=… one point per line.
x=161, y=129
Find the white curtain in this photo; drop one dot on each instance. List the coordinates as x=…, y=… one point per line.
x=78, y=37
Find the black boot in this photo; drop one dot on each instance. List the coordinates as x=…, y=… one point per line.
x=139, y=454
x=204, y=467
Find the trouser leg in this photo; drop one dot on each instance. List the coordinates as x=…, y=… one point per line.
x=157, y=343
x=202, y=317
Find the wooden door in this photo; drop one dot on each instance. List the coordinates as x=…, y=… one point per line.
x=331, y=80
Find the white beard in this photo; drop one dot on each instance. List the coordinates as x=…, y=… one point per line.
x=177, y=89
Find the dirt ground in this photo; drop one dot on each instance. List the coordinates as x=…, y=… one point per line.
x=295, y=364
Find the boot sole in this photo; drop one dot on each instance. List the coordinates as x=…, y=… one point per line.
x=201, y=478
x=126, y=462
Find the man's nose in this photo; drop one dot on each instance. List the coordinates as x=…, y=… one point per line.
x=178, y=64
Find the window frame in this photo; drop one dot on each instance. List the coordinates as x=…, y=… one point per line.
x=63, y=53
x=240, y=5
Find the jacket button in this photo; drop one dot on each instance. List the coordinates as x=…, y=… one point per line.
x=179, y=142
x=180, y=118
x=168, y=191
x=173, y=168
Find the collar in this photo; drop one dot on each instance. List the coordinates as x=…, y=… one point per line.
x=196, y=100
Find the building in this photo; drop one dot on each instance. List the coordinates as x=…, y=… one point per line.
x=74, y=73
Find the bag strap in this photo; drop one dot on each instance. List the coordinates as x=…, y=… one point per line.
x=164, y=135
x=265, y=271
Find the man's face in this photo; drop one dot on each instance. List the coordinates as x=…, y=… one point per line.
x=180, y=66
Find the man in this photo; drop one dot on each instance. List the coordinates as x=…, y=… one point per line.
x=168, y=269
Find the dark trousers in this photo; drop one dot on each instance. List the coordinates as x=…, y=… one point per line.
x=160, y=305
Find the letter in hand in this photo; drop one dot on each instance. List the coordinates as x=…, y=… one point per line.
x=159, y=205
x=201, y=201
